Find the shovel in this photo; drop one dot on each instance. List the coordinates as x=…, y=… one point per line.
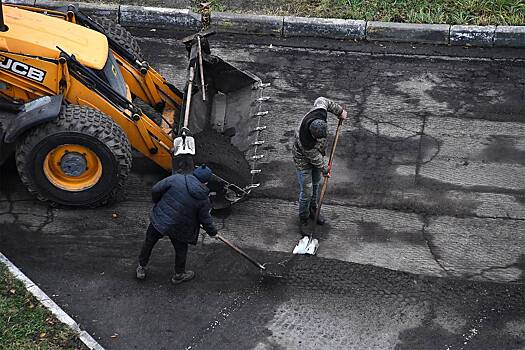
x=275, y=270
x=309, y=244
x=240, y=251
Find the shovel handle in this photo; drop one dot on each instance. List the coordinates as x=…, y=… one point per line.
x=330, y=162
x=240, y=251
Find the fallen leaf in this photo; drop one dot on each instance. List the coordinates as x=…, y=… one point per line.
x=115, y=215
x=43, y=335
x=114, y=335
x=12, y=291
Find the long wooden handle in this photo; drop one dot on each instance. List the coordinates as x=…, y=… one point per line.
x=325, y=182
x=240, y=251
x=336, y=139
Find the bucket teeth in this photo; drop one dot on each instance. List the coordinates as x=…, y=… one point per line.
x=258, y=143
x=263, y=99
x=261, y=114
x=255, y=171
x=260, y=128
x=258, y=156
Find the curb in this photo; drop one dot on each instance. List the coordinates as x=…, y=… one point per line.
x=288, y=27
x=155, y=17
x=408, y=32
x=224, y=22
x=472, y=35
x=334, y=28
x=49, y=304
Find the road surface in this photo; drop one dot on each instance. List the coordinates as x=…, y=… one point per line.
x=425, y=246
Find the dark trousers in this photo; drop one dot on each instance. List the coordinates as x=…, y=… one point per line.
x=152, y=237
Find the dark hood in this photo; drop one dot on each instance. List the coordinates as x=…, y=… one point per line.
x=196, y=189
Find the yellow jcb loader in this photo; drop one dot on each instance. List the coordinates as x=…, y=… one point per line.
x=76, y=95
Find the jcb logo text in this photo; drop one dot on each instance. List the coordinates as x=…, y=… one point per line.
x=22, y=69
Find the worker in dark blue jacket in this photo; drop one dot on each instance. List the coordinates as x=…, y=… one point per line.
x=181, y=206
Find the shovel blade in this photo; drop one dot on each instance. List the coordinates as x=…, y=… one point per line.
x=301, y=247
x=184, y=145
x=306, y=246
x=312, y=247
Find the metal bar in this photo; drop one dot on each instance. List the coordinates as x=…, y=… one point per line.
x=201, y=69
x=240, y=251
x=188, y=98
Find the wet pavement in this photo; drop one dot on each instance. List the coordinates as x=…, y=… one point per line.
x=425, y=248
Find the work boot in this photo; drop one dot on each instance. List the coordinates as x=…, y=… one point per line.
x=303, y=225
x=303, y=221
x=183, y=277
x=320, y=219
x=141, y=272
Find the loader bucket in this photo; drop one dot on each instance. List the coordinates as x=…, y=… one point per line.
x=227, y=127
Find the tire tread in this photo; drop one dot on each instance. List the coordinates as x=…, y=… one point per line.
x=83, y=120
x=118, y=33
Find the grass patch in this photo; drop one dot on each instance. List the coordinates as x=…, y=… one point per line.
x=474, y=12
x=25, y=324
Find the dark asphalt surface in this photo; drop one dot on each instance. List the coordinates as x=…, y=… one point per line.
x=407, y=266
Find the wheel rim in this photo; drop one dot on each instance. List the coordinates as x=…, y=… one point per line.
x=72, y=167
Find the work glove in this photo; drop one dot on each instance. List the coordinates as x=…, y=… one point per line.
x=213, y=233
x=343, y=115
x=327, y=171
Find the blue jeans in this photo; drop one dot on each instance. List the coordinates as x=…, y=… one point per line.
x=309, y=183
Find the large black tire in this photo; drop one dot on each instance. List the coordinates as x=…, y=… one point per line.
x=89, y=129
x=118, y=33
x=151, y=112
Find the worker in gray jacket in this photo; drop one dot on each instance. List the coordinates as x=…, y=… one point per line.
x=309, y=155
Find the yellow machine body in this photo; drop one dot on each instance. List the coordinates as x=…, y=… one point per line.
x=30, y=67
x=46, y=53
